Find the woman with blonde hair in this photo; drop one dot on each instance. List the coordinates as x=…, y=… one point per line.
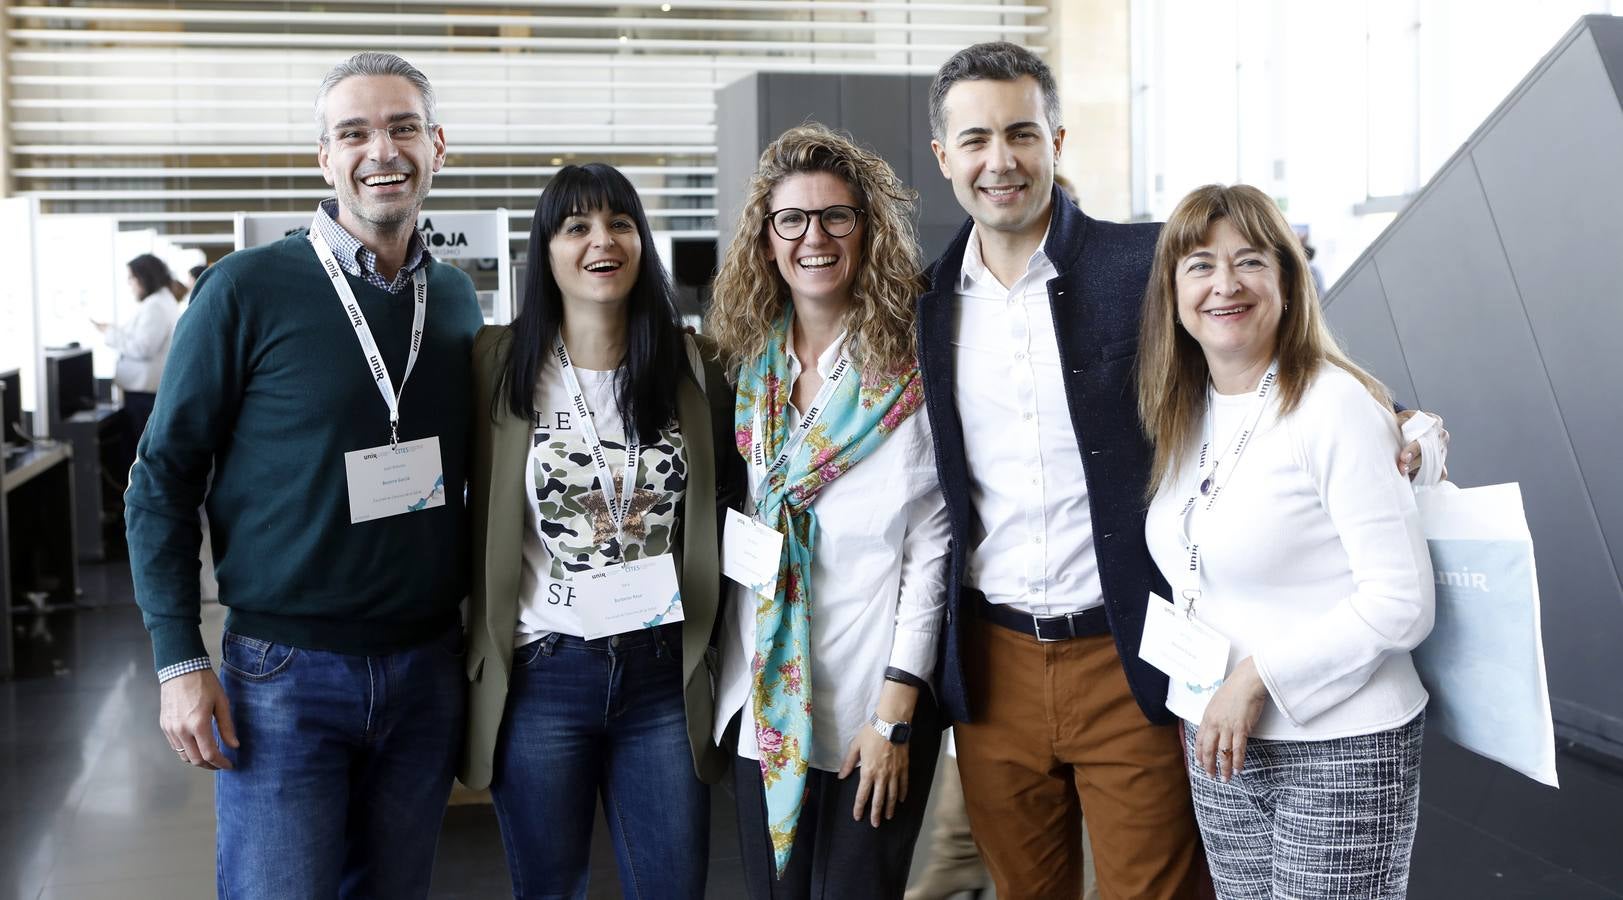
x=827, y=661
x=1294, y=554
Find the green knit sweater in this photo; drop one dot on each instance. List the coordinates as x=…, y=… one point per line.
x=267, y=387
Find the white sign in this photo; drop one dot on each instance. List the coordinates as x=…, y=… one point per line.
x=447, y=235
x=390, y=481
x=629, y=596
x=1191, y=652
x=750, y=552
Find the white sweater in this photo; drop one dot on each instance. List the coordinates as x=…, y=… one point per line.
x=1312, y=562
x=143, y=342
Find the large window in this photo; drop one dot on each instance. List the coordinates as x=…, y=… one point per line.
x=1340, y=110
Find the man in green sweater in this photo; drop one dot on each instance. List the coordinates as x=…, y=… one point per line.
x=323, y=380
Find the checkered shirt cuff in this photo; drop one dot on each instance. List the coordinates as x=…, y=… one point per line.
x=184, y=667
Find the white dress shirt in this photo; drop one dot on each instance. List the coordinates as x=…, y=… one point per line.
x=143, y=342
x=1312, y=562
x=878, y=576
x=1032, y=547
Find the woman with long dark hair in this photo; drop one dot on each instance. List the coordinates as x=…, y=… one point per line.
x=594, y=498
x=143, y=341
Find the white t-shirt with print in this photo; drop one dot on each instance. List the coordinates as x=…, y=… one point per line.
x=566, y=522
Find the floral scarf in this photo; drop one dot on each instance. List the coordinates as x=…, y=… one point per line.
x=855, y=421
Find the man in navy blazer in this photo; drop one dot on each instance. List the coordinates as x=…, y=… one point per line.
x=1027, y=341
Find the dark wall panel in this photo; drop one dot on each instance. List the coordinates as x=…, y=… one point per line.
x=738, y=123
x=792, y=98
x=1363, y=323
x=1556, y=203
x=1473, y=358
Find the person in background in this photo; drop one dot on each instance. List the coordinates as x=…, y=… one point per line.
x=1282, y=527
x=826, y=664
x=602, y=440
x=311, y=376
x=143, y=342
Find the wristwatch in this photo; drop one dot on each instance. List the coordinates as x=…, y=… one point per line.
x=895, y=732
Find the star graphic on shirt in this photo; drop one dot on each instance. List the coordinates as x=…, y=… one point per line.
x=635, y=528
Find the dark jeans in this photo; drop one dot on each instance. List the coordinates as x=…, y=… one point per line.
x=834, y=857
x=345, y=766
x=590, y=718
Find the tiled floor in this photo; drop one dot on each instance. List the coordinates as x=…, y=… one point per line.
x=94, y=807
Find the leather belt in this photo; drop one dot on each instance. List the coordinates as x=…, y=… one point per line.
x=1046, y=629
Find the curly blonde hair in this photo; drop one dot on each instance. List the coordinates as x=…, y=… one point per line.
x=749, y=293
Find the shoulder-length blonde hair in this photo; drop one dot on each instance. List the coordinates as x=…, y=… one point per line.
x=1172, y=372
x=750, y=295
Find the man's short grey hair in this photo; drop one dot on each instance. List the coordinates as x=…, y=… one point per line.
x=991, y=61
x=373, y=63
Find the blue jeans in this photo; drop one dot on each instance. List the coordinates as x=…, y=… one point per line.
x=346, y=762
x=600, y=717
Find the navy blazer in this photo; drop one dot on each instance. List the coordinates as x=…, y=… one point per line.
x=1096, y=301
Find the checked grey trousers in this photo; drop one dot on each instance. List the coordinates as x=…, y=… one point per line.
x=1315, y=820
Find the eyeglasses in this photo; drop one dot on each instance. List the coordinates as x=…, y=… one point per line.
x=791, y=223
x=358, y=136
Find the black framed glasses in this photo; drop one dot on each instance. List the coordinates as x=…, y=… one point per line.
x=837, y=221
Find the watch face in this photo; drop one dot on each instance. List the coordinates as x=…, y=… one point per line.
x=901, y=733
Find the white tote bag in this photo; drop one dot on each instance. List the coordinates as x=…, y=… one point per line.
x=1484, y=660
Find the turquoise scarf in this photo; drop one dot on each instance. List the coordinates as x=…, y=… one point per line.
x=855, y=421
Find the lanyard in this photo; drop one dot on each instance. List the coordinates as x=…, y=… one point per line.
x=619, y=506
x=825, y=395
x=363, y=332
x=1213, y=478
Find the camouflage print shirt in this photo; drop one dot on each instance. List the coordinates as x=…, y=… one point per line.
x=568, y=528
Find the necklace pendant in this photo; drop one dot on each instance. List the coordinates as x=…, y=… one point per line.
x=1206, y=486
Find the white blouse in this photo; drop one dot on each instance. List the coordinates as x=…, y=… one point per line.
x=143, y=342
x=878, y=579
x=1312, y=562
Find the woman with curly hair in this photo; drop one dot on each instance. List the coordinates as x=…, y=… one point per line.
x=827, y=666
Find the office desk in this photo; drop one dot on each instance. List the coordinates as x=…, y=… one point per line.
x=37, y=552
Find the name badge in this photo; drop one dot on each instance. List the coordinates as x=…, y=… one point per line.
x=750, y=552
x=391, y=481
x=628, y=596
x=1192, y=653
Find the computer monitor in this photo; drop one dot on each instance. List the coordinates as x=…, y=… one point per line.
x=70, y=382
x=11, y=408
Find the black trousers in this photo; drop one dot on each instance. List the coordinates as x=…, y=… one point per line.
x=835, y=858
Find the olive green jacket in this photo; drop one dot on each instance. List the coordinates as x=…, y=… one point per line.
x=497, y=508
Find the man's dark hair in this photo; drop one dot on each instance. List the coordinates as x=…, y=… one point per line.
x=150, y=273
x=196, y=271
x=991, y=61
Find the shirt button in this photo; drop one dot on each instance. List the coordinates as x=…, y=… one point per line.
x=614, y=641
x=1020, y=356
x=1034, y=590
x=1036, y=539
x=1027, y=417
